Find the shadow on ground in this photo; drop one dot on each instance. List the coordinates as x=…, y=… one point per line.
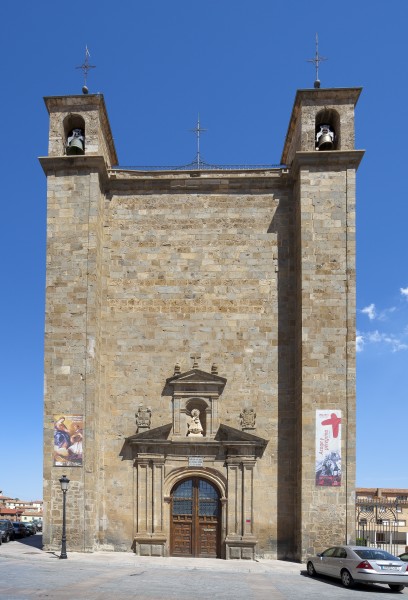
x=361, y=587
x=34, y=541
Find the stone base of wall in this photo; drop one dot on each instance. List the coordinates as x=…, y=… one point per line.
x=150, y=545
x=240, y=548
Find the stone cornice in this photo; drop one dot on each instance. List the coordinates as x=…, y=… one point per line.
x=52, y=165
x=138, y=182
x=172, y=182
x=330, y=161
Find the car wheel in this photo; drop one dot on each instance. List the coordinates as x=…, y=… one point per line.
x=311, y=571
x=394, y=587
x=346, y=579
x=7, y=538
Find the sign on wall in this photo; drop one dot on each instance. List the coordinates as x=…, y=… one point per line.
x=328, y=447
x=68, y=436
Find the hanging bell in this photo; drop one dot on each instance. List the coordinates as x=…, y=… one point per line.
x=76, y=143
x=325, y=138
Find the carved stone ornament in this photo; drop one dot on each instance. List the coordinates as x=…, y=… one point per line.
x=248, y=416
x=143, y=418
x=195, y=429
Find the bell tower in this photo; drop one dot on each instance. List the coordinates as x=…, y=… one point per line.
x=79, y=125
x=81, y=150
x=319, y=151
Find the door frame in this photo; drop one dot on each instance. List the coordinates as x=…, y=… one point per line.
x=195, y=521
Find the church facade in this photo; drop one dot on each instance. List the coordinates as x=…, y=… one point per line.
x=200, y=343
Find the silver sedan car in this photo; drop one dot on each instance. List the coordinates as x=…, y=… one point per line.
x=359, y=564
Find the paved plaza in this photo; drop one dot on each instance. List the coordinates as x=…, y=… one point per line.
x=27, y=572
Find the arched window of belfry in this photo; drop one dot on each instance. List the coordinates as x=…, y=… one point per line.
x=74, y=135
x=327, y=130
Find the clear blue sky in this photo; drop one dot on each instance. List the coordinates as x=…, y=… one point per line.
x=238, y=64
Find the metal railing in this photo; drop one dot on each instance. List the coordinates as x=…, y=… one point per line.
x=200, y=166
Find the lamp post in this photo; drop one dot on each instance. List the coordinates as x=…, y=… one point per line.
x=395, y=529
x=64, y=481
x=362, y=523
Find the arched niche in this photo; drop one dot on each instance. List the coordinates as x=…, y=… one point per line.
x=204, y=408
x=331, y=118
x=74, y=134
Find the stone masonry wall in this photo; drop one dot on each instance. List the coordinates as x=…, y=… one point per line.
x=326, y=333
x=197, y=274
x=70, y=338
x=253, y=271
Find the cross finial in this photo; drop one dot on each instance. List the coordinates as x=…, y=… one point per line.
x=316, y=60
x=197, y=130
x=85, y=67
x=195, y=358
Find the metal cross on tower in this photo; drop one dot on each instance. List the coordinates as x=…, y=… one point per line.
x=85, y=67
x=197, y=130
x=316, y=60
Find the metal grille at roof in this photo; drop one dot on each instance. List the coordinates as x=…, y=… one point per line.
x=199, y=166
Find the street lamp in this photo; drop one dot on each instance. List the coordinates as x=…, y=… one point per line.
x=362, y=523
x=64, y=481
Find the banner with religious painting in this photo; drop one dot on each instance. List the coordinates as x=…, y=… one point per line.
x=328, y=448
x=68, y=436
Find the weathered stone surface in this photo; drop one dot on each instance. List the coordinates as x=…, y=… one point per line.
x=251, y=271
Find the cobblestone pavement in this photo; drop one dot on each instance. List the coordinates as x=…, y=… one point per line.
x=26, y=572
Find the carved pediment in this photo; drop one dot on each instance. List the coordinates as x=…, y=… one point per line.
x=230, y=434
x=195, y=395
x=227, y=441
x=155, y=435
x=197, y=380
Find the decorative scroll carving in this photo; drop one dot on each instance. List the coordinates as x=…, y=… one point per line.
x=248, y=417
x=143, y=418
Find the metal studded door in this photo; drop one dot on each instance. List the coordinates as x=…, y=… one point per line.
x=195, y=523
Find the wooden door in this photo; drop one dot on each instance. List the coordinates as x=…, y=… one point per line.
x=195, y=519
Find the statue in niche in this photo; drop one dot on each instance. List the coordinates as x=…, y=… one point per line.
x=247, y=417
x=143, y=418
x=195, y=429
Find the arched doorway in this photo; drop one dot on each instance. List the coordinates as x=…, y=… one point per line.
x=195, y=519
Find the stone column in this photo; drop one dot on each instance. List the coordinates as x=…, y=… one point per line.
x=234, y=512
x=176, y=415
x=157, y=494
x=240, y=542
x=248, y=505
x=150, y=539
x=142, y=494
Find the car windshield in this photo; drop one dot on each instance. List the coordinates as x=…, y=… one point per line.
x=374, y=554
